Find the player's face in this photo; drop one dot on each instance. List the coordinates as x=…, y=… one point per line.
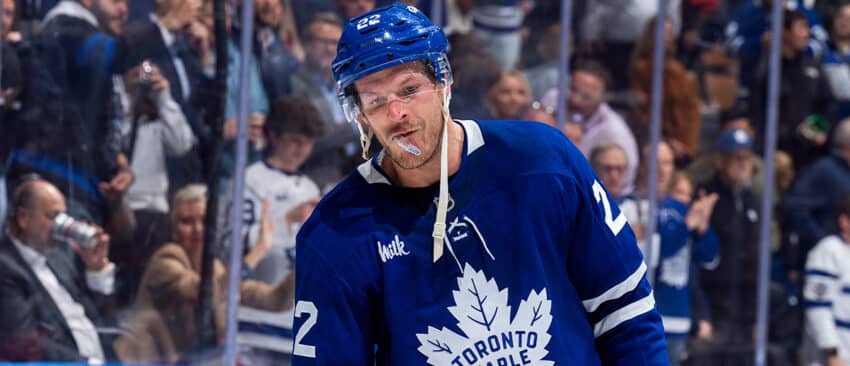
x=403, y=107
x=611, y=167
x=508, y=97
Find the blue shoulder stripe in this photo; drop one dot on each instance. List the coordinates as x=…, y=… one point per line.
x=842, y=324
x=816, y=304
x=265, y=329
x=817, y=272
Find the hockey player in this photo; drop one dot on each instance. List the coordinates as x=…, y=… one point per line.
x=827, y=295
x=521, y=258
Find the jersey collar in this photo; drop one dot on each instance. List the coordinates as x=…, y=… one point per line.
x=373, y=174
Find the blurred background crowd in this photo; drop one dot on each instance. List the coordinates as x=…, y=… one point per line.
x=108, y=111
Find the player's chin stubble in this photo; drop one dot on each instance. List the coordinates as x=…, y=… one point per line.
x=408, y=161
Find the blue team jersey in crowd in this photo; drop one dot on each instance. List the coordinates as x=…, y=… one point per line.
x=540, y=267
x=679, y=249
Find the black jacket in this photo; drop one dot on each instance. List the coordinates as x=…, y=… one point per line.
x=804, y=91
x=31, y=326
x=731, y=287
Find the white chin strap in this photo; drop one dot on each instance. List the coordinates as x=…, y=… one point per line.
x=439, y=233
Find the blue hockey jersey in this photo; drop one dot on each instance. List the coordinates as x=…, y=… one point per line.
x=672, y=277
x=540, y=267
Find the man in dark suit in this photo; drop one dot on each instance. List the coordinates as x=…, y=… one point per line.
x=336, y=151
x=170, y=51
x=51, y=294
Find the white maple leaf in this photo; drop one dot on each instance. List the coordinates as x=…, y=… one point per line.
x=489, y=336
x=480, y=306
x=535, y=313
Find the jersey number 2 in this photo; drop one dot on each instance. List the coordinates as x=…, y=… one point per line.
x=305, y=307
x=602, y=197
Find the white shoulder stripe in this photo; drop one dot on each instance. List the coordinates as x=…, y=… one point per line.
x=623, y=315
x=617, y=291
x=676, y=325
x=371, y=175
x=475, y=138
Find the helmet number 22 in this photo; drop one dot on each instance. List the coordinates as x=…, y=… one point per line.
x=368, y=21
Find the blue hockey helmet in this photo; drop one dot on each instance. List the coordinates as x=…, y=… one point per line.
x=383, y=38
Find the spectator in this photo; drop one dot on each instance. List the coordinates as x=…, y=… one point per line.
x=458, y=17
x=509, y=97
x=544, y=76
x=826, y=297
x=161, y=329
x=804, y=108
x=170, y=52
x=809, y=205
x=730, y=287
x=610, y=163
x=9, y=9
x=338, y=146
x=536, y=112
x=348, y=9
x=478, y=72
x=288, y=30
x=497, y=23
x=156, y=129
x=681, y=118
x=79, y=138
x=276, y=60
x=51, y=299
x=611, y=28
x=10, y=80
x=704, y=167
x=292, y=128
x=685, y=236
x=258, y=103
x=600, y=123
x=836, y=62
x=636, y=205
x=748, y=32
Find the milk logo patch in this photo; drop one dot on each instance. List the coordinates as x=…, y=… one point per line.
x=490, y=337
x=396, y=248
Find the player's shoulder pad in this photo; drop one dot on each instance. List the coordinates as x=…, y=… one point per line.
x=528, y=147
x=340, y=217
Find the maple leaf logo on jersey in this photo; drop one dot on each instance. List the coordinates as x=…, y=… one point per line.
x=490, y=337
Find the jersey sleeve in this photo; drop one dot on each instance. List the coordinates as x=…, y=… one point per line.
x=706, y=249
x=609, y=274
x=822, y=286
x=333, y=316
